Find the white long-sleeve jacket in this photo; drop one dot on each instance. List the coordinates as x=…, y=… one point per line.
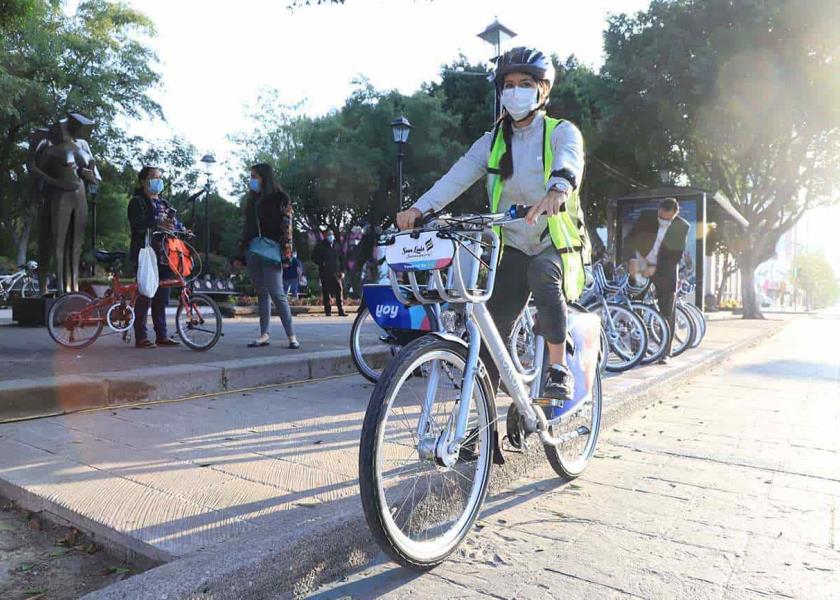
x=527, y=184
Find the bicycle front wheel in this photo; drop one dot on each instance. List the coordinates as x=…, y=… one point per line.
x=199, y=322
x=371, y=347
x=29, y=288
x=74, y=321
x=699, y=323
x=418, y=508
x=626, y=335
x=657, y=330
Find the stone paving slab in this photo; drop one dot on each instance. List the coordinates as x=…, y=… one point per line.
x=209, y=470
x=232, y=454
x=660, y=512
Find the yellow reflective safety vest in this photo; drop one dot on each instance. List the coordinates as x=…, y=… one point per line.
x=566, y=228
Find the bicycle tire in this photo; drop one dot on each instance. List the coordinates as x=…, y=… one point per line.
x=366, y=370
x=181, y=325
x=663, y=329
x=29, y=288
x=680, y=346
x=400, y=547
x=566, y=469
x=699, y=323
x=54, y=321
x=623, y=361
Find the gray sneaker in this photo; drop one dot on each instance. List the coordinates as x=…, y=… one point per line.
x=560, y=385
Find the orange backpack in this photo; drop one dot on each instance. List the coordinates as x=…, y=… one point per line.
x=179, y=256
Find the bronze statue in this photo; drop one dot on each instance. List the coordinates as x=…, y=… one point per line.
x=61, y=161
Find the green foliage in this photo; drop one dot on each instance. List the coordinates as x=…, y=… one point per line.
x=741, y=97
x=813, y=273
x=339, y=168
x=52, y=63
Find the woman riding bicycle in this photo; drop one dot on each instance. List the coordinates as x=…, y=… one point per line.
x=530, y=159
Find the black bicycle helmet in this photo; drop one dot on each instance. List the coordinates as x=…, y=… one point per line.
x=524, y=60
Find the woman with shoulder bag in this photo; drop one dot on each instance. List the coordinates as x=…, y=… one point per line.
x=267, y=228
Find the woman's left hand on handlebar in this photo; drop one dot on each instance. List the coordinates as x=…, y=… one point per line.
x=551, y=204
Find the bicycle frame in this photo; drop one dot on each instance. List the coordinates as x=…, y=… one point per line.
x=7, y=282
x=481, y=329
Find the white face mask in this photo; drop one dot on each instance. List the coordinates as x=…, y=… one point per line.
x=664, y=222
x=519, y=101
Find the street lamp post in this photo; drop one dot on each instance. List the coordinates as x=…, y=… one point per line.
x=496, y=35
x=209, y=160
x=401, y=128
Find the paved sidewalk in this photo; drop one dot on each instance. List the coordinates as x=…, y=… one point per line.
x=29, y=352
x=38, y=378
x=169, y=480
x=728, y=490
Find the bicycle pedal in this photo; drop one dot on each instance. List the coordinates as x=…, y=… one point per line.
x=547, y=402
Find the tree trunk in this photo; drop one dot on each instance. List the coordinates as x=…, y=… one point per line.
x=752, y=310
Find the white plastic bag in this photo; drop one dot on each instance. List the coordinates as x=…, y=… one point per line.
x=147, y=271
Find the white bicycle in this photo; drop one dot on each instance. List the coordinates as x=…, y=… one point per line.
x=24, y=281
x=430, y=430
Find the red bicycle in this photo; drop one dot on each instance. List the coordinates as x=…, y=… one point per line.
x=76, y=320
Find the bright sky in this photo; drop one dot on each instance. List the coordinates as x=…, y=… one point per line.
x=216, y=56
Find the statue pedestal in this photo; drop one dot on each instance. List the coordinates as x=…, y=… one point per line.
x=31, y=312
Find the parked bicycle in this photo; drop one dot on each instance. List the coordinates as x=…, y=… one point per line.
x=625, y=332
x=76, y=320
x=429, y=434
x=685, y=331
x=23, y=282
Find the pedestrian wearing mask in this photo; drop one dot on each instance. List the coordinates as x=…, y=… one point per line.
x=330, y=260
x=147, y=213
x=292, y=270
x=268, y=214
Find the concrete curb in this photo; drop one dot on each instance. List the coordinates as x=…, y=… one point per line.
x=284, y=564
x=49, y=396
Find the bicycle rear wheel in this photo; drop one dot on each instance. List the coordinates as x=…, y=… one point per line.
x=570, y=458
x=684, y=331
x=70, y=325
x=371, y=347
x=418, y=509
x=199, y=322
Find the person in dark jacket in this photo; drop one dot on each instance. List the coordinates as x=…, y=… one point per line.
x=268, y=213
x=147, y=213
x=330, y=260
x=654, y=247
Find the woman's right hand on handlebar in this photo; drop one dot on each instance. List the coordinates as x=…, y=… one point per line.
x=407, y=218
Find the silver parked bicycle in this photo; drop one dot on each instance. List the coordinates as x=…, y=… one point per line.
x=24, y=282
x=430, y=430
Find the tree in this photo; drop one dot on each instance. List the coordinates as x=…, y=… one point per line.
x=739, y=96
x=339, y=168
x=814, y=275
x=51, y=63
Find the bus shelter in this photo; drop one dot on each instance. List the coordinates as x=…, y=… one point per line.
x=701, y=208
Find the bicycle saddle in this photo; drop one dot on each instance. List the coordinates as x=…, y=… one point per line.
x=108, y=257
